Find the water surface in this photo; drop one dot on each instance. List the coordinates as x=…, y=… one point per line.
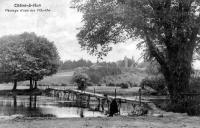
x=42, y=106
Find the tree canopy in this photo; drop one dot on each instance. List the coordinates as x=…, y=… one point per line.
x=169, y=30
x=27, y=57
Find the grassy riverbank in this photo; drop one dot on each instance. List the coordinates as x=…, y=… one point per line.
x=172, y=121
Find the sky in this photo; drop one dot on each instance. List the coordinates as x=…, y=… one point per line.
x=59, y=25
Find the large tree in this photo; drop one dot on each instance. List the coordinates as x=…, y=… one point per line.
x=27, y=57
x=168, y=29
x=44, y=57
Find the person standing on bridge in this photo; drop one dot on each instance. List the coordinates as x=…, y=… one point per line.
x=113, y=108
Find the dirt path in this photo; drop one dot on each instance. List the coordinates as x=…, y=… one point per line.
x=114, y=122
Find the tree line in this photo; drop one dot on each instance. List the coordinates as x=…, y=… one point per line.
x=69, y=64
x=72, y=64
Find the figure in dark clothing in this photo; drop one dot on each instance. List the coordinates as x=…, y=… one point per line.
x=82, y=85
x=113, y=108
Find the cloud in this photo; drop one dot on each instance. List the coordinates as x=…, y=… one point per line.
x=60, y=26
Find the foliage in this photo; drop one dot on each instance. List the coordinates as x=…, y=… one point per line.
x=46, y=58
x=67, y=65
x=96, y=74
x=112, y=84
x=153, y=68
x=194, y=110
x=124, y=85
x=156, y=83
x=139, y=110
x=131, y=76
x=27, y=57
x=150, y=67
x=190, y=106
x=168, y=30
x=81, y=79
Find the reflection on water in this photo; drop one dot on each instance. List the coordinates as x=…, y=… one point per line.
x=41, y=106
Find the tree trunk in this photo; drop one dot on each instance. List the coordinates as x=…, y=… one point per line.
x=35, y=102
x=31, y=83
x=30, y=102
x=177, y=74
x=15, y=85
x=36, y=84
x=178, y=83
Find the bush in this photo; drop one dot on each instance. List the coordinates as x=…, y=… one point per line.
x=81, y=80
x=124, y=85
x=194, y=110
x=156, y=83
x=189, y=106
x=111, y=85
x=139, y=110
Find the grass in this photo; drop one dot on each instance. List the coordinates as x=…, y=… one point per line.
x=111, y=90
x=132, y=76
x=59, y=78
x=64, y=77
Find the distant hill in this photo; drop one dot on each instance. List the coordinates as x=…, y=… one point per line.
x=133, y=76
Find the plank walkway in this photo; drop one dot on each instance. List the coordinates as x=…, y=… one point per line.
x=102, y=96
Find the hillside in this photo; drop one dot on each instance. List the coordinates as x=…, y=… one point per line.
x=62, y=77
x=133, y=76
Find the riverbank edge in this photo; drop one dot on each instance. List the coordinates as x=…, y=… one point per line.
x=21, y=92
x=172, y=120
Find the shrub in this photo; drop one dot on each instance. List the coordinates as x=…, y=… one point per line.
x=111, y=85
x=80, y=79
x=156, y=83
x=139, y=110
x=190, y=106
x=194, y=110
x=124, y=85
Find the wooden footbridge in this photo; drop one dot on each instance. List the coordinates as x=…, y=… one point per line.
x=83, y=96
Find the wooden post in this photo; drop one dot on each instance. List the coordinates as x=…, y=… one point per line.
x=99, y=104
x=53, y=93
x=108, y=103
x=88, y=101
x=35, y=102
x=119, y=106
x=102, y=104
x=140, y=96
x=115, y=93
x=94, y=91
